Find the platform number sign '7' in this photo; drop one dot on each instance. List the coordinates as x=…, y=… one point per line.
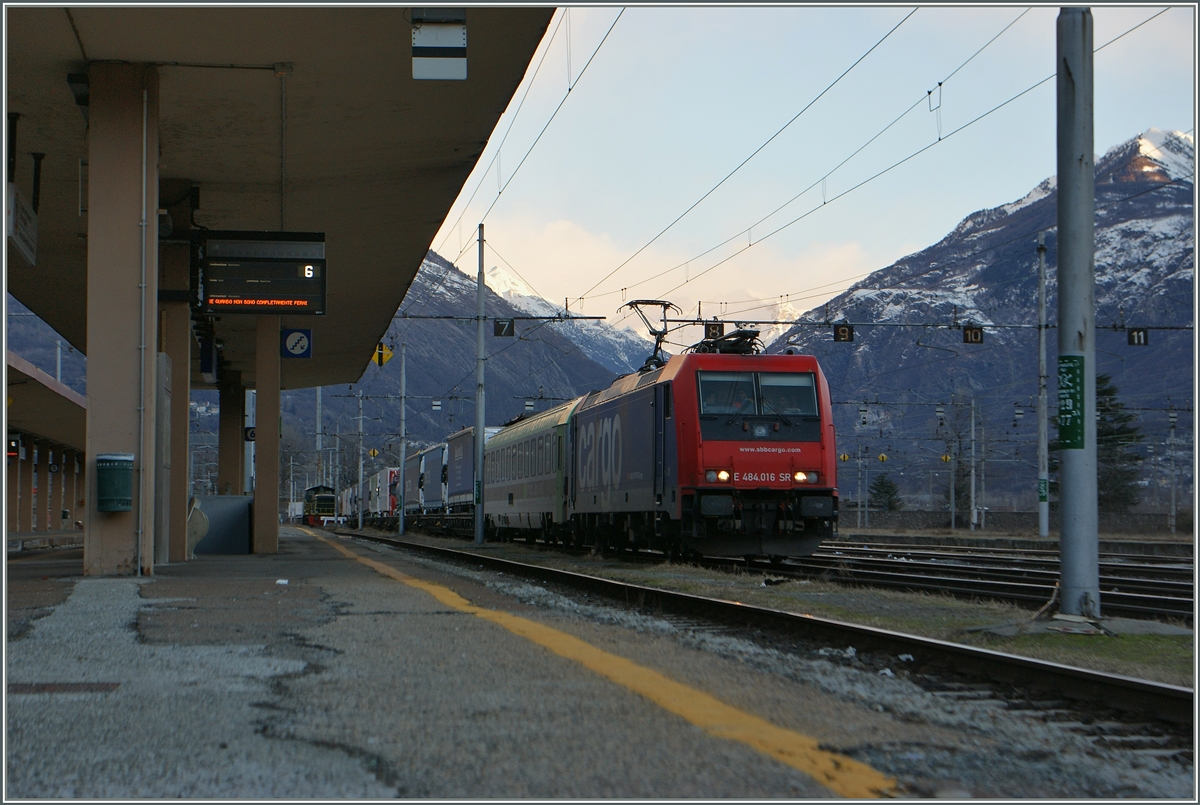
x=504, y=328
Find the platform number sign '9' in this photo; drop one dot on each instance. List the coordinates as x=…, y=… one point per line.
x=1138, y=337
x=843, y=332
x=972, y=335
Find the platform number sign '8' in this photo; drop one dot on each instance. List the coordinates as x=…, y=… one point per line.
x=972, y=335
x=843, y=332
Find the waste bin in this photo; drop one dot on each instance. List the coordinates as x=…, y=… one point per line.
x=114, y=482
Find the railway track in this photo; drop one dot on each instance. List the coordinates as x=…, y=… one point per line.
x=1112, y=710
x=1132, y=586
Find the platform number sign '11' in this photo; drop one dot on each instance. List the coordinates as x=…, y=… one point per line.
x=1138, y=337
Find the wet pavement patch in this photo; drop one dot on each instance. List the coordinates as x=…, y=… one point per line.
x=19, y=688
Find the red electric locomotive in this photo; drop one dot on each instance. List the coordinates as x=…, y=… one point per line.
x=722, y=452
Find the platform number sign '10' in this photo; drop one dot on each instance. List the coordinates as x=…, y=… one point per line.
x=843, y=332
x=972, y=335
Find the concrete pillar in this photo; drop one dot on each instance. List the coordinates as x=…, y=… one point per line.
x=177, y=343
x=229, y=434
x=41, y=511
x=13, y=498
x=122, y=302
x=71, y=487
x=60, y=489
x=25, y=503
x=266, y=443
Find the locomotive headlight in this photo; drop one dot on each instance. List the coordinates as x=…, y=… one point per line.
x=712, y=476
x=800, y=477
x=723, y=475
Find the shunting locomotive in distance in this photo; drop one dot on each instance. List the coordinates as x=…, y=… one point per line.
x=720, y=451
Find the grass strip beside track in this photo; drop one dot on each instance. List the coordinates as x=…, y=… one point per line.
x=842, y=775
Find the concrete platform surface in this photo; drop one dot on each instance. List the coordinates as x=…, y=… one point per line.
x=311, y=674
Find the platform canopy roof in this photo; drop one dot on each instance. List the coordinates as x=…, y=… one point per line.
x=39, y=405
x=364, y=152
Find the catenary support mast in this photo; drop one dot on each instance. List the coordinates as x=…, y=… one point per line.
x=1079, y=540
x=479, y=400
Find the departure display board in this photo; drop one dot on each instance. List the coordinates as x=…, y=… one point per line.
x=259, y=272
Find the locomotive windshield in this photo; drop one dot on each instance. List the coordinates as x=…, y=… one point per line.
x=790, y=394
x=727, y=392
x=786, y=399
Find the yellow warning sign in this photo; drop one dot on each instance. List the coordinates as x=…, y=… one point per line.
x=844, y=457
x=383, y=354
x=372, y=452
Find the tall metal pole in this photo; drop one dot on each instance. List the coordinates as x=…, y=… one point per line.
x=360, y=462
x=982, y=476
x=974, y=511
x=867, y=493
x=320, y=454
x=1043, y=456
x=58, y=360
x=860, y=488
x=1079, y=541
x=954, y=451
x=479, y=399
x=1172, y=417
x=403, y=429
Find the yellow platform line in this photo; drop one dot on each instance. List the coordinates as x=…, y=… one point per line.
x=842, y=775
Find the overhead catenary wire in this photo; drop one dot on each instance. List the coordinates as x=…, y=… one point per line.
x=750, y=157
x=918, y=152
x=819, y=181
x=511, y=121
x=1110, y=42
x=957, y=130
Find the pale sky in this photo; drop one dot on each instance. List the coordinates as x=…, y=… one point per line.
x=677, y=97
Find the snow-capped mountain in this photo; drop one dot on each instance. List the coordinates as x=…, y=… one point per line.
x=984, y=273
x=613, y=347
x=785, y=311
